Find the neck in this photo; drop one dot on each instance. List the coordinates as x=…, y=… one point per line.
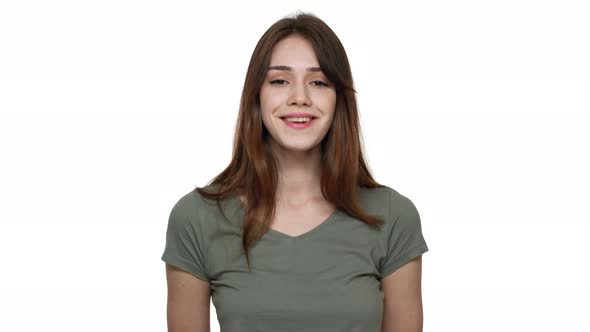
x=299, y=175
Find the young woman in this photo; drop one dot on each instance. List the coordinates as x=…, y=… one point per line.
x=295, y=234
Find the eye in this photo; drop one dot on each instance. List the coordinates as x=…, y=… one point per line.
x=276, y=81
x=321, y=83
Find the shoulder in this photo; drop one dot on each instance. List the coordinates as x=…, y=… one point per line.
x=401, y=207
x=403, y=217
x=198, y=209
x=399, y=203
x=374, y=198
x=187, y=204
x=193, y=202
x=191, y=209
x=387, y=201
x=384, y=196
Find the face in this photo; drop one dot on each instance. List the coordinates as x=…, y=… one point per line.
x=296, y=90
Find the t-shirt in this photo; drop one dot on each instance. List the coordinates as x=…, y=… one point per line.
x=327, y=279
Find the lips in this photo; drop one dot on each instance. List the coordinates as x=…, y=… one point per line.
x=299, y=125
x=298, y=115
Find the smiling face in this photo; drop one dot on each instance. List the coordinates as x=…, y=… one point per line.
x=291, y=86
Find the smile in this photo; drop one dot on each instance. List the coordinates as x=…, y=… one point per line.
x=299, y=125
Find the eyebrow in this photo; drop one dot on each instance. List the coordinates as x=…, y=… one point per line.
x=287, y=68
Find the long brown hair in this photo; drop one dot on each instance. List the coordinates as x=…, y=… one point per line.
x=253, y=170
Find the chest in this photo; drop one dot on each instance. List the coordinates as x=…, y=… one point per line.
x=294, y=222
x=318, y=278
x=314, y=266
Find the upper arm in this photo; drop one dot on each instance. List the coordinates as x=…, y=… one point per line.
x=188, y=301
x=186, y=267
x=402, y=304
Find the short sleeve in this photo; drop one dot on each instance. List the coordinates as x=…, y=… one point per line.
x=184, y=238
x=404, y=238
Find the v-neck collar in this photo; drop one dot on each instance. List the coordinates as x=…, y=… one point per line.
x=239, y=212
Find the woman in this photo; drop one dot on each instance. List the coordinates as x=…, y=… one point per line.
x=295, y=235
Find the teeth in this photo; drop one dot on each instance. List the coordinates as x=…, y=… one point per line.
x=298, y=119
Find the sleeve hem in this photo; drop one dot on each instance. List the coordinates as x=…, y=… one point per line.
x=403, y=259
x=185, y=265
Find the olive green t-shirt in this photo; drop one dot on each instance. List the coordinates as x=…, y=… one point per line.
x=327, y=279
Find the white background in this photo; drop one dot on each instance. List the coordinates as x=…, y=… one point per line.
x=477, y=111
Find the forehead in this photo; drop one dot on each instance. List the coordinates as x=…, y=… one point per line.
x=293, y=53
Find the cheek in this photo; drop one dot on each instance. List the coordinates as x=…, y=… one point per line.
x=269, y=99
x=328, y=103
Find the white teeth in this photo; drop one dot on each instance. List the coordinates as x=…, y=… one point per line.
x=298, y=119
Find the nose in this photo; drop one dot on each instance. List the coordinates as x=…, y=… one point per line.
x=298, y=95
